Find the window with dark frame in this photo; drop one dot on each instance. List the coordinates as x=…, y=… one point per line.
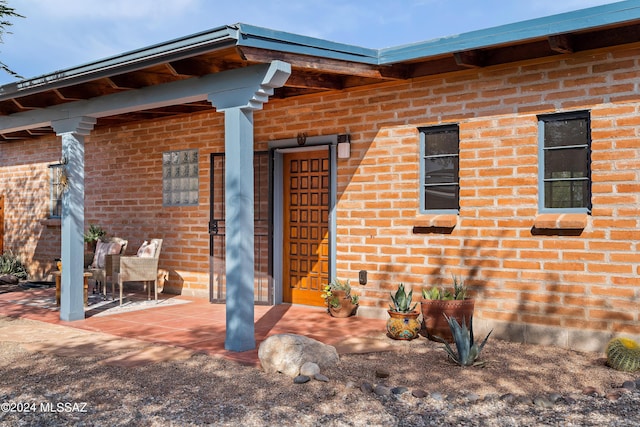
x=565, y=157
x=56, y=189
x=440, y=147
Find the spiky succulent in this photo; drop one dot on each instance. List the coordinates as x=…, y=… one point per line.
x=623, y=354
x=11, y=264
x=467, y=350
x=459, y=291
x=402, y=301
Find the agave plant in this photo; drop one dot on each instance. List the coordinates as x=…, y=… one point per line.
x=459, y=291
x=467, y=350
x=402, y=301
x=11, y=264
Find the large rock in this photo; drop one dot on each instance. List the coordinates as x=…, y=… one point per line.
x=9, y=279
x=287, y=353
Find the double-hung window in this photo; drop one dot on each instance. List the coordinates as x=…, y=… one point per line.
x=564, y=162
x=439, y=167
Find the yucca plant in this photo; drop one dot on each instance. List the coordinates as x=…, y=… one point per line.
x=402, y=301
x=467, y=350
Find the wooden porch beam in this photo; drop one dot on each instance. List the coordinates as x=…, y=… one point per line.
x=323, y=65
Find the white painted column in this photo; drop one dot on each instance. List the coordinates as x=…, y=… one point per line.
x=72, y=131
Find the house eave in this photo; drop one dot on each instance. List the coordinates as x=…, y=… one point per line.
x=540, y=28
x=138, y=59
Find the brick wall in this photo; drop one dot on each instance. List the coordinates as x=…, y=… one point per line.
x=24, y=181
x=544, y=287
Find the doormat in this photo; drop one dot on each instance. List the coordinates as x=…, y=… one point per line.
x=98, y=306
x=109, y=307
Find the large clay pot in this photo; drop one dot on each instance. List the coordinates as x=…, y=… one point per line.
x=346, y=307
x=403, y=326
x=436, y=324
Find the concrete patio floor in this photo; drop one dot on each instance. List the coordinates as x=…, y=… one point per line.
x=199, y=326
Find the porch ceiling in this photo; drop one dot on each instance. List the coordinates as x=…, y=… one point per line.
x=317, y=66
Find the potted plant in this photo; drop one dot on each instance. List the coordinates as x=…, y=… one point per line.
x=467, y=351
x=437, y=303
x=340, y=301
x=403, y=321
x=92, y=235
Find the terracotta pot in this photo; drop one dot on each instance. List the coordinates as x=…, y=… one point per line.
x=346, y=307
x=435, y=323
x=403, y=326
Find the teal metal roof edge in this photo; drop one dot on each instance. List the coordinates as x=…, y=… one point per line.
x=555, y=24
x=279, y=41
x=264, y=38
x=170, y=50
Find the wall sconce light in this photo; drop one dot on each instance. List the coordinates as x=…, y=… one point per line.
x=344, y=147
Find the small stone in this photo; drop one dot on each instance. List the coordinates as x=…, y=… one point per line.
x=542, y=402
x=638, y=383
x=615, y=394
x=592, y=391
x=524, y=399
x=491, y=397
x=301, y=379
x=508, y=398
x=350, y=384
x=322, y=378
x=366, y=387
x=309, y=369
x=629, y=385
x=569, y=400
x=382, y=373
x=436, y=395
x=399, y=390
x=471, y=397
x=420, y=394
x=381, y=390
x=555, y=397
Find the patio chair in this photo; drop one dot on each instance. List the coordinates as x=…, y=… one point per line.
x=143, y=267
x=101, y=268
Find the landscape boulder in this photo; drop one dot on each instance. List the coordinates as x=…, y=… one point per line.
x=286, y=353
x=9, y=279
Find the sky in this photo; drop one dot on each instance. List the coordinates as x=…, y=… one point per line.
x=60, y=34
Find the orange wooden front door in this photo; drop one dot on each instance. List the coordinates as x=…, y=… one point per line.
x=306, y=227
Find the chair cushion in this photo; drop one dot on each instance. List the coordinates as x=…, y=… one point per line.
x=103, y=249
x=147, y=250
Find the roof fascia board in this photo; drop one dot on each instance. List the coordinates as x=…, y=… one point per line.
x=131, y=61
x=264, y=38
x=598, y=16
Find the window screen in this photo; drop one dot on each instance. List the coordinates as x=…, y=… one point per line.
x=439, y=168
x=566, y=146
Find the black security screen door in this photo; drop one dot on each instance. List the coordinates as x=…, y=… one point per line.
x=217, y=277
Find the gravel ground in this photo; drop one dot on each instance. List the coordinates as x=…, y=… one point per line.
x=520, y=385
